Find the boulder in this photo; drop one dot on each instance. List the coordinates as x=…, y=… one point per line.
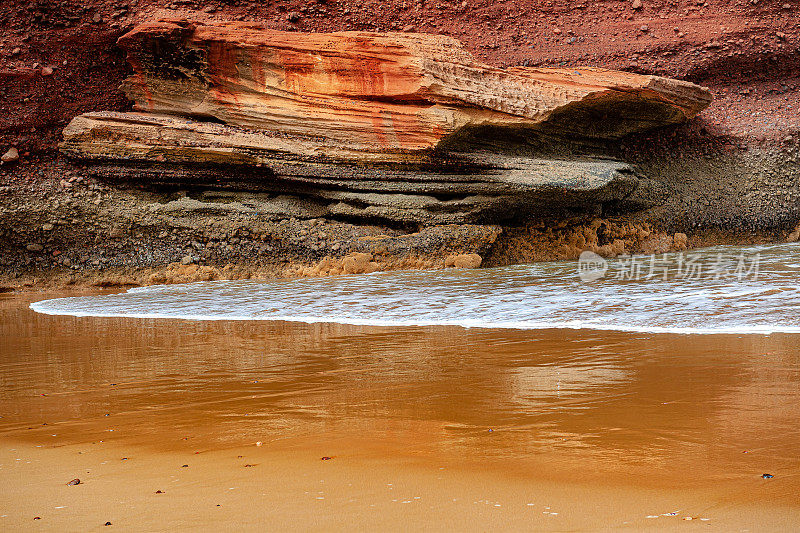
x=463, y=261
x=394, y=126
x=359, y=263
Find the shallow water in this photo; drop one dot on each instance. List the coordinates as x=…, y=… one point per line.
x=687, y=421
x=662, y=409
x=717, y=290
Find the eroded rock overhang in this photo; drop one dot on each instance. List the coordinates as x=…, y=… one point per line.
x=401, y=127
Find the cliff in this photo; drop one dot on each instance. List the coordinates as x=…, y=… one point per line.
x=398, y=127
x=498, y=179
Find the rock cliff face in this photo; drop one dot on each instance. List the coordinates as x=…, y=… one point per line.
x=729, y=175
x=371, y=93
x=407, y=128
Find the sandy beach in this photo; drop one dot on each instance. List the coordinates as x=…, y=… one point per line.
x=259, y=489
x=399, y=266
x=390, y=428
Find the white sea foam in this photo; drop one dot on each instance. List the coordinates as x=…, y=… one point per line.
x=538, y=296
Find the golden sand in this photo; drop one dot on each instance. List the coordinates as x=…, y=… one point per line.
x=424, y=428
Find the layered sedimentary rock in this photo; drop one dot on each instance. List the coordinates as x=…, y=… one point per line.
x=404, y=127
x=167, y=151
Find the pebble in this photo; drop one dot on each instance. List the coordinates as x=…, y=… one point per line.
x=47, y=71
x=34, y=247
x=47, y=227
x=75, y=481
x=11, y=155
x=645, y=28
x=637, y=4
x=767, y=476
x=186, y=260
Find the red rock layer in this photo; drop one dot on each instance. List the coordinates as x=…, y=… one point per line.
x=380, y=92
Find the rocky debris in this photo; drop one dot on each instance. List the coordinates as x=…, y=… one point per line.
x=566, y=240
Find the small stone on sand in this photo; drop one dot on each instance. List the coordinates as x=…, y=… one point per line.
x=10, y=156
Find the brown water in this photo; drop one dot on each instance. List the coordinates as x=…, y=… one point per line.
x=697, y=415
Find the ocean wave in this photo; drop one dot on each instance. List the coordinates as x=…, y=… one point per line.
x=537, y=296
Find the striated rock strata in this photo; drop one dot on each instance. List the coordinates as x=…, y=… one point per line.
x=407, y=128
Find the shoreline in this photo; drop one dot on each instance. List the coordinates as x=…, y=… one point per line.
x=58, y=278
x=255, y=486
x=605, y=429
x=763, y=332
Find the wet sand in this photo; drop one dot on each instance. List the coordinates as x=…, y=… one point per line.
x=426, y=428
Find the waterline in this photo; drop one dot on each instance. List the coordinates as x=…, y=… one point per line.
x=537, y=296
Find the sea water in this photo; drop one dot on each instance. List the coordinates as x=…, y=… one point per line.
x=724, y=289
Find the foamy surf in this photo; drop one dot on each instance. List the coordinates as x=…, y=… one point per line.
x=724, y=300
